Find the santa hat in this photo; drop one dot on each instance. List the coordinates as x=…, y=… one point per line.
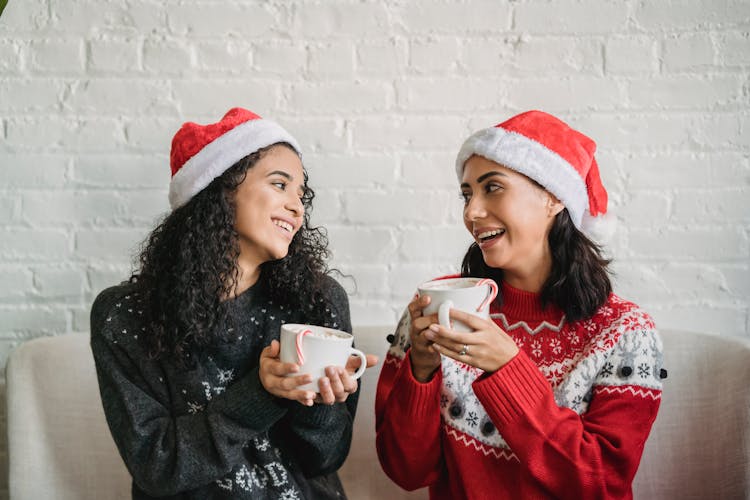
x=547, y=150
x=201, y=153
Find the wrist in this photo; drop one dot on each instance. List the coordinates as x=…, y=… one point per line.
x=421, y=371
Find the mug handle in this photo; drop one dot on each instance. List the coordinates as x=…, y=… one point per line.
x=444, y=312
x=362, y=366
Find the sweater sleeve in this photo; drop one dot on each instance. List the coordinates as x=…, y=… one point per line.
x=567, y=455
x=407, y=418
x=320, y=436
x=167, y=453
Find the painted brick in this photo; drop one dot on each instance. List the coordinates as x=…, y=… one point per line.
x=279, y=58
x=645, y=208
x=11, y=61
x=659, y=15
x=733, y=48
x=27, y=16
x=692, y=243
x=115, y=97
x=340, y=97
x=590, y=16
x=683, y=92
x=121, y=171
x=382, y=58
x=56, y=282
x=444, y=94
x=409, y=132
x=326, y=207
x=57, y=133
x=631, y=55
x=32, y=170
x=106, y=275
x=232, y=19
x=92, y=17
x=341, y=19
x=688, y=52
x=32, y=320
x=114, y=246
x=434, y=55
x=439, y=244
x=70, y=208
x=536, y=56
x=223, y=56
x=565, y=94
x=493, y=56
x=114, y=56
x=33, y=244
x=152, y=134
x=715, y=206
x=333, y=60
x=714, y=319
x=357, y=245
x=424, y=170
x=351, y=170
x=399, y=207
x=453, y=17
x=162, y=56
x=17, y=282
x=60, y=56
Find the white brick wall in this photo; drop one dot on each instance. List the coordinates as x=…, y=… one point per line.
x=380, y=93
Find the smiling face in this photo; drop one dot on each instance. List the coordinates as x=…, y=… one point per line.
x=268, y=208
x=509, y=217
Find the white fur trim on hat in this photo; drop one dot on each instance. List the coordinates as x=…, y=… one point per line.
x=221, y=153
x=532, y=159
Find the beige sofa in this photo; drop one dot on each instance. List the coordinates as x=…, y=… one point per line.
x=60, y=448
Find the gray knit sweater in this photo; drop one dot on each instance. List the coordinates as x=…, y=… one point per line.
x=212, y=431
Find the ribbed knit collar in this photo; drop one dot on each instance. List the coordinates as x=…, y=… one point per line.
x=526, y=306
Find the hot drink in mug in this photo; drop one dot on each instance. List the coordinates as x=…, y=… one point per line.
x=314, y=348
x=471, y=295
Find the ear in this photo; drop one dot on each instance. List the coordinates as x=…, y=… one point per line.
x=554, y=205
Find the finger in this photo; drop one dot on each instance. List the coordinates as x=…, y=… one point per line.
x=448, y=352
x=337, y=385
x=326, y=393
x=289, y=384
x=473, y=322
x=305, y=398
x=372, y=360
x=280, y=369
x=417, y=304
x=349, y=383
x=450, y=339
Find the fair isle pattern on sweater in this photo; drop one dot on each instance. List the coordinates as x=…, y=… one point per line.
x=612, y=352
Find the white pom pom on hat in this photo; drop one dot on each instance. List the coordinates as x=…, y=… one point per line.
x=559, y=158
x=201, y=153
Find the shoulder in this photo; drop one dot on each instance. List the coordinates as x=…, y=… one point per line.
x=114, y=308
x=333, y=292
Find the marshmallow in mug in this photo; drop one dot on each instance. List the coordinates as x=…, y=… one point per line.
x=471, y=295
x=316, y=347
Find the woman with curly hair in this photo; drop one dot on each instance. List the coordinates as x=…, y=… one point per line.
x=555, y=394
x=187, y=353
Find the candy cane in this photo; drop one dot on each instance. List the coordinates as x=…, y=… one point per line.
x=300, y=336
x=491, y=296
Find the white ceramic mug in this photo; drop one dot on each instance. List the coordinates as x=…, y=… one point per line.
x=316, y=347
x=471, y=295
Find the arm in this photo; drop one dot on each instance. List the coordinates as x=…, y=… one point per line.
x=167, y=453
x=320, y=436
x=566, y=455
x=407, y=418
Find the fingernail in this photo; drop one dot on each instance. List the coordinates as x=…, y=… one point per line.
x=434, y=328
x=325, y=382
x=429, y=335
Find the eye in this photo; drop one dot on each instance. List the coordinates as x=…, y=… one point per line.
x=491, y=187
x=279, y=184
x=465, y=196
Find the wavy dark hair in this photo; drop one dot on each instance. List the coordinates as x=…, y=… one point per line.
x=579, y=282
x=188, y=267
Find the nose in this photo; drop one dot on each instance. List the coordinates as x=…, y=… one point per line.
x=474, y=209
x=294, y=204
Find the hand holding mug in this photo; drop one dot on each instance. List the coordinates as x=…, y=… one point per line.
x=487, y=347
x=283, y=379
x=424, y=359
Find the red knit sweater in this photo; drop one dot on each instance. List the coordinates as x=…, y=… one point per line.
x=566, y=418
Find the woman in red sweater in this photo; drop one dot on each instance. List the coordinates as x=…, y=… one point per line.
x=553, y=397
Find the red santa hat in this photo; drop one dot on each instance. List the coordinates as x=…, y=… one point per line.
x=559, y=158
x=201, y=153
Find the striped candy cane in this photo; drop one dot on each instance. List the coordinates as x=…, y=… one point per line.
x=492, y=294
x=300, y=354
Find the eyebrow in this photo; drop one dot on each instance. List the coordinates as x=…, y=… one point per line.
x=484, y=177
x=281, y=173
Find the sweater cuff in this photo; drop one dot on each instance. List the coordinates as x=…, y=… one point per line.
x=513, y=390
x=315, y=415
x=416, y=399
x=247, y=402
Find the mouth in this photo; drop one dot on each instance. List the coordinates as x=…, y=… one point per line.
x=488, y=235
x=284, y=225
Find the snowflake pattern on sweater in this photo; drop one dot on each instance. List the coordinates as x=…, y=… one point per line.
x=615, y=351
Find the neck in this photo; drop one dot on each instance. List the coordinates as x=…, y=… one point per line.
x=530, y=278
x=248, y=274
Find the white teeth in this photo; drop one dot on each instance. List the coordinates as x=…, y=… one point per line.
x=489, y=234
x=283, y=225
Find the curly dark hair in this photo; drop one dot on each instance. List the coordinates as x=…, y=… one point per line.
x=579, y=282
x=188, y=267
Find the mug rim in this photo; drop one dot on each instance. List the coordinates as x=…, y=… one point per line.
x=424, y=286
x=340, y=335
